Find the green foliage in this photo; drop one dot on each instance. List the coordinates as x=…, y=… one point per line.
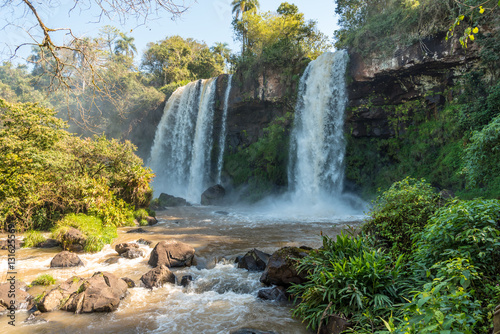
x=466, y=229
x=447, y=304
x=402, y=211
x=97, y=234
x=171, y=87
x=262, y=165
x=348, y=276
x=141, y=214
x=44, y=279
x=33, y=238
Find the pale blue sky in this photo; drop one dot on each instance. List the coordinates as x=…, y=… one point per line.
x=205, y=20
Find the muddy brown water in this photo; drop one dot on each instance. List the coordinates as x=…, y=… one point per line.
x=221, y=299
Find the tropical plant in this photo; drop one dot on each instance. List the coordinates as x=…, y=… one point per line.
x=241, y=6
x=45, y=279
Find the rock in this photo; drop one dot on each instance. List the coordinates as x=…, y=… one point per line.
x=277, y=293
x=186, y=280
x=14, y=287
x=336, y=325
x=254, y=260
x=100, y=293
x=251, y=331
x=151, y=220
x=34, y=319
x=132, y=254
x=112, y=260
x=54, y=299
x=496, y=320
x=213, y=195
x=124, y=247
x=171, y=254
x=138, y=230
x=73, y=240
x=280, y=269
x=446, y=194
x=49, y=243
x=166, y=200
x=130, y=283
x=4, y=244
x=158, y=276
x=224, y=213
x=66, y=259
x=144, y=242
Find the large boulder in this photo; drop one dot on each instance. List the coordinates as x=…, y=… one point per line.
x=49, y=243
x=14, y=289
x=73, y=240
x=125, y=247
x=213, y=195
x=132, y=254
x=254, y=260
x=166, y=200
x=100, y=293
x=155, y=278
x=277, y=293
x=281, y=268
x=66, y=259
x=54, y=299
x=171, y=254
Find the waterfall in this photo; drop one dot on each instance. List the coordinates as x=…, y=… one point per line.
x=180, y=155
x=317, y=147
x=223, y=134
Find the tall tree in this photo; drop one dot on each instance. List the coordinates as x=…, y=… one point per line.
x=125, y=46
x=241, y=6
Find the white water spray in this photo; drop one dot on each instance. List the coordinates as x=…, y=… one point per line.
x=317, y=147
x=223, y=134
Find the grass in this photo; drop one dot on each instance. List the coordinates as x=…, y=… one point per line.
x=97, y=234
x=44, y=279
x=33, y=238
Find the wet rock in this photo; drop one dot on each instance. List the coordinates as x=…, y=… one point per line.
x=125, y=247
x=277, y=293
x=54, y=299
x=254, y=260
x=281, y=270
x=100, y=293
x=152, y=220
x=158, y=276
x=130, y=282
x=22, y=298
x=251, y=331
x=144, y=242
x=171, y=254
x=112, y=260
x=186, y=280
x=66, y=259
x=49, y=243
x=213, y=195
x=73, y=240
x=138, y=230
x=132, y=254
x=4, y=244
x=335, y=325
x=224, y=213
x=34, y=318
x=166, y=200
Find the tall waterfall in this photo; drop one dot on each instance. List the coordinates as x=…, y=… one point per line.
x=317, y=147
x=180, y=155
x=223, y=134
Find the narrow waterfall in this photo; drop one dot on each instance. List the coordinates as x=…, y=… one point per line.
x=223, y=134
x=180, y=155
x=316, y=168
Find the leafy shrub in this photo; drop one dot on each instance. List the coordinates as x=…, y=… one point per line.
x=44, y=279
x=141, y=214
x=402, y=211
x=446, y=304
x=348, y=276
x=466, y=229
x=33, y=238
x=97, y=234
x=143, y=222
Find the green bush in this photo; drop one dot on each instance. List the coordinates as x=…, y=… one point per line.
x=44, y=279
x=465, y=229
x=33, y=238
x=348, y=276
x=97, y=234
x=141, y=214
x=401, y=212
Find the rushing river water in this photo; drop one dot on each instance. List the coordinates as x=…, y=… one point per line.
x=221, y=299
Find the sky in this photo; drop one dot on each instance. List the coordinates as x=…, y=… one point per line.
x=204, y=20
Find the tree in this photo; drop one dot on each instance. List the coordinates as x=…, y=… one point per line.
x=241, y=6
x=125, y=45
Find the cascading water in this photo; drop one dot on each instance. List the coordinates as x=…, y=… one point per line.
x=180, y=155
x=317, y=144
x=222, y=138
